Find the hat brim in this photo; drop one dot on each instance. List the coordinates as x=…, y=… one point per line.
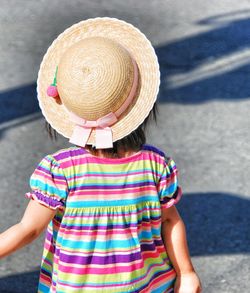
x=140, y=49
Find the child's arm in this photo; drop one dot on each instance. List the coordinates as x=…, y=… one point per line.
x=35, y=219
x=174, y=237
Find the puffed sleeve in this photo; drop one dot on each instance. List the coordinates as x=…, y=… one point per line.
x=48, y=184
x=168, y=189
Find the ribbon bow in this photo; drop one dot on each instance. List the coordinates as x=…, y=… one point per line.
x=83, y=129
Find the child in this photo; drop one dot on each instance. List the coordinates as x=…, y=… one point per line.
x=108, y=202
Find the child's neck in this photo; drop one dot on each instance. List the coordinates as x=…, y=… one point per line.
x=119, y=154
x=102, y=154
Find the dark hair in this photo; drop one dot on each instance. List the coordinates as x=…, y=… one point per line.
x=131, y=142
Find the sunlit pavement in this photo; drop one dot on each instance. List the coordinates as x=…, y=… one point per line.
x=204, y=102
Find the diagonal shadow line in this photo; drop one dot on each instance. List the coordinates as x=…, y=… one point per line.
x=190, y=51
x=229, y=86
x=219, y=46
x=225, y=17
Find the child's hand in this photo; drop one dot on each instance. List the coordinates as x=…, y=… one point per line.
x=187, y=283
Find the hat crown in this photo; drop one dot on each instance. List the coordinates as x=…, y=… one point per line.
x=94, y=78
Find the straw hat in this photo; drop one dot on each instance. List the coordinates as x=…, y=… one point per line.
x=107, y=78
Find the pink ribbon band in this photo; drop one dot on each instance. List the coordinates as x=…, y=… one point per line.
x=104, y=137
x=83, y=129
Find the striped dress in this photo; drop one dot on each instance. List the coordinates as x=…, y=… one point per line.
x=106, y=234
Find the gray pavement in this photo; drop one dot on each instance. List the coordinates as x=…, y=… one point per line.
x=204, y=102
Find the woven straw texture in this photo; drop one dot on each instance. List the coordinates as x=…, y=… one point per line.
x=138, y=47
x=95, y=77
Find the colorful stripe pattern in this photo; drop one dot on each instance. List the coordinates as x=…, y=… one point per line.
x=106, y=235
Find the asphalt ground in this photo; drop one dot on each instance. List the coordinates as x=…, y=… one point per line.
x=203, y=122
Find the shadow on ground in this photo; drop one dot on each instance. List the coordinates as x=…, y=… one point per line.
x=228, y=36
x=212, y=65
x=217, y=224
x=18, y=106
x=20, y=283
x=18, y=102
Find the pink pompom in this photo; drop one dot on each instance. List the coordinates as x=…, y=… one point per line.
x=52, y=91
